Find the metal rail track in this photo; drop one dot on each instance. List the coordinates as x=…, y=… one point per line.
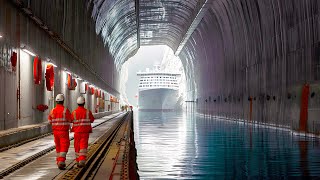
x=30, y=159
x=96, y=155
x=124, y=142
x=24, y=142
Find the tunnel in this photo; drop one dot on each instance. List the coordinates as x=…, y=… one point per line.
x=252, y=61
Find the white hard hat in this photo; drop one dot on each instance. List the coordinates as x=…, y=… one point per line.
x=81, y=100
x=60, y=97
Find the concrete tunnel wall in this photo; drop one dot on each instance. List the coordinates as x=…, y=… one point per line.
x=74, y=28
x=266, y=49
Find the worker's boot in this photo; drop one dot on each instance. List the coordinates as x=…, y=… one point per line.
x=61, y=165
x=81, y=164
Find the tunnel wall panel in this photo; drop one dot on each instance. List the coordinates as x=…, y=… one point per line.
x=8, y=102
x=266, y=50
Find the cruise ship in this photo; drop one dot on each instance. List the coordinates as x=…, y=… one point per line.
x=158, y=90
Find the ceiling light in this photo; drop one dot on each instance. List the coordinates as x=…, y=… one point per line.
x=29, y=52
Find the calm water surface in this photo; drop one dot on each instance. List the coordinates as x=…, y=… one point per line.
x=174, y=145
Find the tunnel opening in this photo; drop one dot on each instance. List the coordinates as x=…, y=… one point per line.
x=146, y=58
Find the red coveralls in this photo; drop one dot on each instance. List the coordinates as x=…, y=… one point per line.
x=82, y=119
x=60, y=119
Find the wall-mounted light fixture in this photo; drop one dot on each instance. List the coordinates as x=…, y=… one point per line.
x=66, y=70
x=28, y=51
x=53, y=65
x=50, y=62
x=1, y=36
x=77, y=77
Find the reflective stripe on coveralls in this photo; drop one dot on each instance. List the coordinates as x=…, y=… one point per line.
x=81, y=122
x=61, y=121
x=79, y=137
x=61, y=156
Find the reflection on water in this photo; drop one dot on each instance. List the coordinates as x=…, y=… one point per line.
x=174, y=145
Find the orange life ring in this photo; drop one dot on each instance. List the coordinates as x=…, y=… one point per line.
x=72, y=84
x=37, y=70
x=42, y=107
x=92, y=91
x=14, y=61
x=49, y=77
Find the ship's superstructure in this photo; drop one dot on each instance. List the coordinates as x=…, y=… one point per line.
x=158, y=90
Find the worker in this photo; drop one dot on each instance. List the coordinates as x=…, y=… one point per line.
x=82, y=119
x=60, y=119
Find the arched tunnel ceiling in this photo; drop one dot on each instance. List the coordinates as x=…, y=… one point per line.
x=160, y=22
x=116, y=21
x=165, y=22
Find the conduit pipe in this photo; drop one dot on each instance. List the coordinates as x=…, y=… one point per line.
x=201, y=9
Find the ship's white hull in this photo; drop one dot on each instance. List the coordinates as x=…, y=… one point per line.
x=158, y=99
